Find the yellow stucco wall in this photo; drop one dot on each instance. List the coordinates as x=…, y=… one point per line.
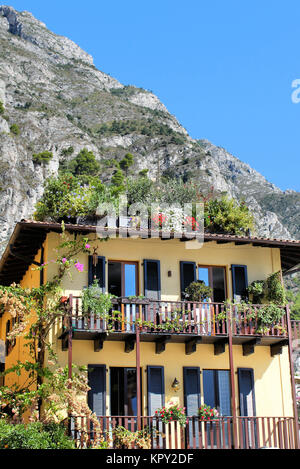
x=272, y=380
x=261, y=262
x=20, y=351
x=271, y=375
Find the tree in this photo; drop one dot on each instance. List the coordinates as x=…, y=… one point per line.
x=127, y=162
x=118, y=178
x=57, y=388
x=84, y=164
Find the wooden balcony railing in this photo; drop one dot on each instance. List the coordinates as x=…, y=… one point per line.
x=252, y=432
x=176, y=317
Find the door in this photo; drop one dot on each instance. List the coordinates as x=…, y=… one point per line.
x=123, y=282
x=217, y=393
x=123, y=391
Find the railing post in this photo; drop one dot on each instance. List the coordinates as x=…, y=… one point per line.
x=232, y=380
x=138, y=368
x=70, y=353
x=293, y=385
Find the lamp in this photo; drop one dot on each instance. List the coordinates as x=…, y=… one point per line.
x=176, y=385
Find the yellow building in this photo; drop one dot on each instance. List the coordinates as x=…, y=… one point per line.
x=188, y=352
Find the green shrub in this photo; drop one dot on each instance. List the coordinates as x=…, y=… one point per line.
x=226, y=215
x=2, y=109
x=34, y=436
x=14, y=128
x=43, y=157
x=275, y=290
x=67, y=151
x=63, y=197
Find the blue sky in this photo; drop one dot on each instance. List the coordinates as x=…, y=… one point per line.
x=223, y=68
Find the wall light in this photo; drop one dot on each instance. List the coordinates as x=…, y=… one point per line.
x=176, y=385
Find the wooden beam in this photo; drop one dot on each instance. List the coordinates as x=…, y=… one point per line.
x=191, y=345
x=248, y=347
x=65, y=342
x=219, y=346
x=129, y=343
x=98, y=342
x=276, y=349
x=160, y=344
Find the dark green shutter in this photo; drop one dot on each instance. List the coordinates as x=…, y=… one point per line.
x=156, y=388
x=246, y=392
x=97, y=393
x=191, y=383
x=187, y=275
x=239, y=282
x=152, y=282
x=97, y=272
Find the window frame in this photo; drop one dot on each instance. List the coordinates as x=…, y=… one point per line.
x=210, y=276
x=137, y=274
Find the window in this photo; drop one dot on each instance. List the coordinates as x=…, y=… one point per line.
x=214, y=277
x=123, y=278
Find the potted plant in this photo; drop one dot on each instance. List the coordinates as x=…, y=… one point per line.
x=199, y=292
x=172, y=413
x=205, y=412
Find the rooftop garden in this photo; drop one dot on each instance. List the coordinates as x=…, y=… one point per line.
x=78, y=191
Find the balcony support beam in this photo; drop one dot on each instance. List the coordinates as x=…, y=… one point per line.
x=248, y=347
x=276, y=349
x=129, y=343
x=219, y=346
x=160, y=344
x=191, y=345
x=98, y=342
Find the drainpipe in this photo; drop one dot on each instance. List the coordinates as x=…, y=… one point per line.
x=70, y=353
x=292, y=374
x=232, y=381
x=138, y=370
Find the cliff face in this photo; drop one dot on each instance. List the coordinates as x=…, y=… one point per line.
x=52, y=91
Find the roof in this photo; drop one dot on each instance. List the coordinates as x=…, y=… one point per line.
x=29, y=236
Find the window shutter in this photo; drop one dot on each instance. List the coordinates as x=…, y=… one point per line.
x=239, y=282
x=97, y=272
x=246, y=392
x=152, y=281
x=187, y=275
x=97, y=393
x=156, y=388
x=191, y=383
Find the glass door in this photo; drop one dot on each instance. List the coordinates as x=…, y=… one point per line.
x=123, y=282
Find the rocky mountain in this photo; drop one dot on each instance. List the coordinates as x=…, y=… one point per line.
x=54, y=98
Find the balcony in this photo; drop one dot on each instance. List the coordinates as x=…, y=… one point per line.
x=222, y=433
x=178, y=322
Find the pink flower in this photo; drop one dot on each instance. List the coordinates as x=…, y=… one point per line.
x=64, y=260
x=87, y=246
x=79, y=266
